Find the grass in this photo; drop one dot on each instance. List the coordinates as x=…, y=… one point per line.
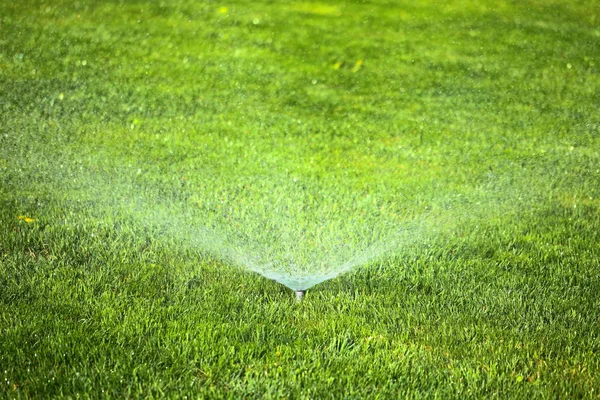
x=126, y=125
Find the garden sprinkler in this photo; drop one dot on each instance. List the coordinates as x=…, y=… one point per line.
x=300, y=295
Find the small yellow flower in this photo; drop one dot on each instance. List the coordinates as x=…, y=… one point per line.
x=223, y=10
x=26, y=219
x=357, y=65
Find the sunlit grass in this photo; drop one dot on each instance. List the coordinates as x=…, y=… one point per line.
x=131, y=133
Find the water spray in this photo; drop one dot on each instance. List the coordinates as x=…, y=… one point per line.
x=300, y=295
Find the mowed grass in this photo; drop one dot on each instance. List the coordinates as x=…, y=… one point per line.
x=179, y=103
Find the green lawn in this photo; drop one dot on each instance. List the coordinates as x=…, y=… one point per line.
x=153, y=153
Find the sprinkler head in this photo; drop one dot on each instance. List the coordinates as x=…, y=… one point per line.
x=300, y=295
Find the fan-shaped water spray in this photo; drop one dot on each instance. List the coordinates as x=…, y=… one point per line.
x=302, y=234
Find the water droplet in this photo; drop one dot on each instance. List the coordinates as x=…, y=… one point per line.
x=256, y=21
